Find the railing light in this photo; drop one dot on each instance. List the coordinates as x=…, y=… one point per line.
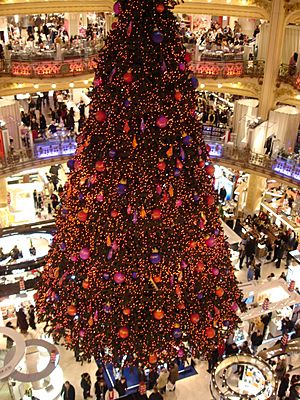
x=86, y=82
x=53, y=85
x=71, y=84
x=36, y=86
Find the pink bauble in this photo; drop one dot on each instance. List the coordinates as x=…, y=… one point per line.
x=178, y=203
x=162, y=121
x=117, y=8
x=215, y=271
x=100, y=197
x=210, y=242
x=234, y=307
x=74, y=258
x=81, y=333
x=84, y=253
x=119, y=277
x=180, y=353
x=97, y=82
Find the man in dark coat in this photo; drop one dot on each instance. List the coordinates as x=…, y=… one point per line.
x=68, y=391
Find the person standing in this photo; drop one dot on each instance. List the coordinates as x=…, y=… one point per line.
x=35, y=199
x=256, y=340
x=22, y=321
x=31, y=314
x=173, y=374
x=257, y=270
x=68, y=391
x=250, y=273
x=222, y=194
x=112, y=394
x=155, y=395
x=121, y=386
x=283, y=387
x=100, y=389
x=162, y=380
x=86, y=385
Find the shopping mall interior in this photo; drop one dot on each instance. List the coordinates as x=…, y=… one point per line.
x=243, y=59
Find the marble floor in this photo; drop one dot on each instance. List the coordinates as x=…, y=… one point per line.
x=192, y=388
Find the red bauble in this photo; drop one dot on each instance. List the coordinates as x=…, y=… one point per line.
x=161, y=165
x=100, y=116
x=200, y=266
x=181, y=306
x=157, y=278
x=123, y=332
x=152, y=359
x=210, y=333
x=72, y=310
x=219, y=292
x=100, y=166
x=208, y=148
x=114, y=213
x=195, y=318
x=210, y=170
x=192, y=244
x=158, y=314
x=160, y=8
x=85, y=284
x=156, y=214
x=210, y=200
x=82, y=216
x=114, y=25
x=178, y=95
x=201, y=163
x=126, y=311
x=128, y=77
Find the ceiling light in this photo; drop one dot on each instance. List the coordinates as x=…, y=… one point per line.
x=220, y=85
x=228, y=1
x=36, y=86
x=86, y=82
x=53, y=85
x=202, y=85
x=71, y=84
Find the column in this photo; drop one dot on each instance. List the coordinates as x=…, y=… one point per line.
x=5, y=216
x=245, y=111
x=72, y=23
x=84, y=19
x=256, y=187
x=3, y=27
x=273, y=59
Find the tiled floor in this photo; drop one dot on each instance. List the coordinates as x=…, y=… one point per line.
x=194, y=387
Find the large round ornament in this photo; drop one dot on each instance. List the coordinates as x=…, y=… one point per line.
x=71, y=310
x=82, y=216
x=157, y=37
x=119, y=277
x=210, y=170
x=215, y=271
x=70, y=163
x=210, y=242
x=156, y=214
x=219, y=292
x=100, y=166
x=161, y=165
x=195, y=318
x=85, y=284
x=178, y=95
x=84, y=253
x=210, y=333
x=152, y=358
x=158, y=314
x=128, y=77
x=117, y=8
x=210, y=200
x=123, y=332
x=155, y=258
x=126, y=311
x=121, y=188
x=160, y=7
x=177, y=333
x=100, y=116
x=162, y=121
x=194, y=82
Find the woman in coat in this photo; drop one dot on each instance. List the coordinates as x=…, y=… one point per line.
x=283, y=387
x=162, y=380
x=86, y=385
x=174, y=374
x=22, y=321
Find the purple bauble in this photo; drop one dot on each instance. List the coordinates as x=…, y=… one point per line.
x=216, y=232
x=106, y=276
x=121, y=188
x=62, y=246
x=187, y=140
x=177, y=333
x=112, y=153
x=196, y=198
x=84, y=253
x=127, y=103
x=200, y=296
x=194, y=82
x=157, y=37
x=181, y=66
x=64, y=211
x=71, y=163
x=226, y=323
x=162, y=121
x=210, y=242
x=176, y=172
x=80, y=196
x=134, y=275
x=117, y=8
x=155, y=258
x=215, y=271
x=119, y=277
x=107, y=308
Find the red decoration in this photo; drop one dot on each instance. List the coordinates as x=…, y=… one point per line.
x=188, y=57
x=126, y=311
x=157, y=279
x=210, y=170
x=158, y=314
x=123, y=332
x=156, y=214
x=200, y=266
x=160, y=8
x=178, y=95
x=210, y=333
x=128, y=77
x=100, y=166
x=85, y=284
x=100, y=116
x=114, y=213
x=181, y=306
x=201, y=163
x=152, y=358
x=82, y=216
x=219, y=292
x=210, y=200
x=161, y=165
x=71, y=310
x=195, y=318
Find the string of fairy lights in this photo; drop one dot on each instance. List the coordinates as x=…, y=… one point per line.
x=139, y=265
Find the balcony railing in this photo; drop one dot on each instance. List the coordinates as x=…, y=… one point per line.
x=228, y=69
x=286, y=169
x=289, y=74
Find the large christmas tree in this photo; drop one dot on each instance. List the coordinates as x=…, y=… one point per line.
x=139, y=265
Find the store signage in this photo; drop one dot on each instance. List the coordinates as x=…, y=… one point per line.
x=16, y=353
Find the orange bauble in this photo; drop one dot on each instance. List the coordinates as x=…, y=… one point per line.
x=210, y=333
x=152, y=359
x=114, y=213
x=68, y=339
x=219, y=292
x=178, y=95
x=195, y=318
x=100, y=116
x=156, y=214
x=158, y=314
x=123, y=332
x=157, y=279
x=201, y=163
x=71, y=310
x=160, y=8
x=82, y=216
x=100, y=166
x=128, y=77
x=126, y=311
x=85, y=284
x=210, y=170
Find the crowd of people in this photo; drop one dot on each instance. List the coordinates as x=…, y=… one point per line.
x=45, y=122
